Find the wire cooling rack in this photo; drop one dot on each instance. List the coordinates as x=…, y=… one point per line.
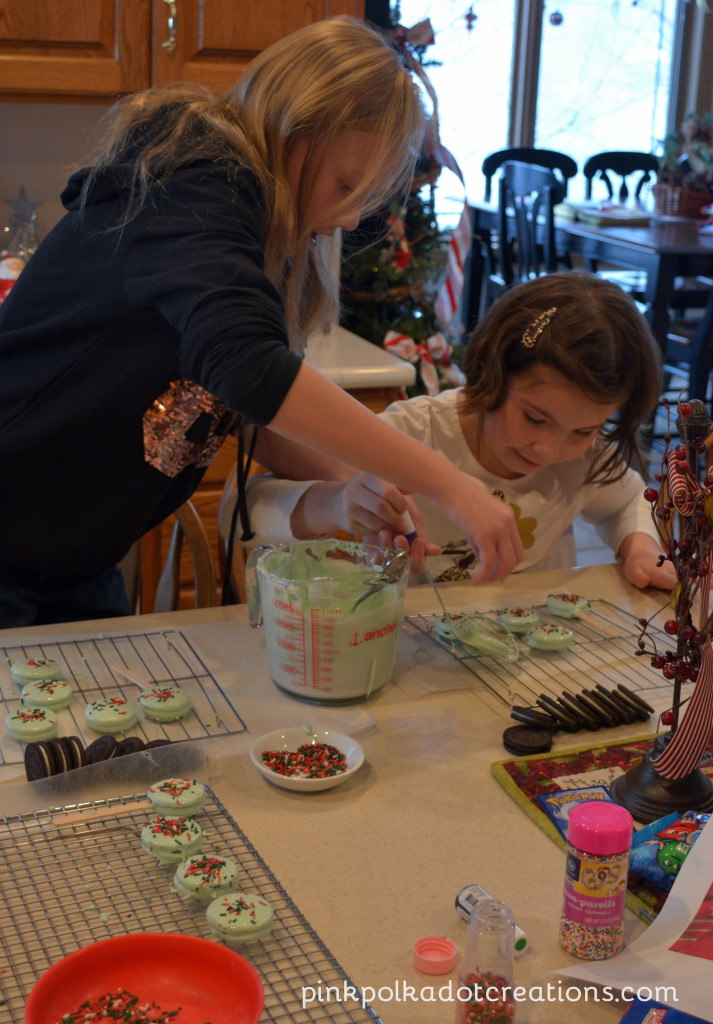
x=602, y=652
x=90, y=663
x=77, y=874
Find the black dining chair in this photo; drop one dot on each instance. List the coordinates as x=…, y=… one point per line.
x=622, y=163
x=527, y=196
x=614, y=169
x=564, y=166
x=690, y=293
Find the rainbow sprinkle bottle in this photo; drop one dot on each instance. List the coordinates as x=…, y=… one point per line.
x=598, y=845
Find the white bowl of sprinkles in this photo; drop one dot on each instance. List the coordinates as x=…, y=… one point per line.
x=306, y=759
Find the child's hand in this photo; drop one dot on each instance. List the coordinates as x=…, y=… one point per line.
x=640, y=554
x=489, y=525
x=418, y=546
x=367, y=505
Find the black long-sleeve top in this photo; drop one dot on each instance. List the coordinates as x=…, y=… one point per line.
x=122, y=354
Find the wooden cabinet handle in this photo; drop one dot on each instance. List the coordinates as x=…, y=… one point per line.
x=170, y=44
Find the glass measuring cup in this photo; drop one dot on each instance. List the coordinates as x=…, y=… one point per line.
x=320, y=647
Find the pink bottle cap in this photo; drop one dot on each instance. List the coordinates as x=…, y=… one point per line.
x=435, y=954
x=600, y=827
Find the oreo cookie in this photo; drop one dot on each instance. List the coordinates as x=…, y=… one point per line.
x=77, y=754
x=533, y=716
x=130, y=745
x=39, y=761
x=624, y=711
x=101, y=749
x=636, y=702
x=571, y=702
x=62, y=759
x=525, y=739
x=598, y=707
x=156, y=743
x=565, y=719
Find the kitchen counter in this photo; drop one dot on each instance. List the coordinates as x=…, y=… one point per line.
x=376, y=863
x=355, y=363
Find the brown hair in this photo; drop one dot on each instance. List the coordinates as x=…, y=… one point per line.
x=328, y=77
x=597, y=339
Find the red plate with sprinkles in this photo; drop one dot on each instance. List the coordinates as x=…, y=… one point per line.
x=149, y=978
x=294, y=758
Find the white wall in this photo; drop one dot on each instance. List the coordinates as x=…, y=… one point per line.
x=40, y=145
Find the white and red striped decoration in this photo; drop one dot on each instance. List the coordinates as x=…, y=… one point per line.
x=424, y=356
x=683, y=753
x=447, y=304
x=683, y=486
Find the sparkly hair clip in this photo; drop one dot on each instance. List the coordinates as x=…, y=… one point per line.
x=535, y=329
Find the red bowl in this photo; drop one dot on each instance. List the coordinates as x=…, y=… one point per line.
x=206, y=979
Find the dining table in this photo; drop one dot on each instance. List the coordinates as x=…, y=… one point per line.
x=664, y=248
x=373, y=864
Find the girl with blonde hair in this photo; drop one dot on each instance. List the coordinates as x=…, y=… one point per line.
x=199, y=248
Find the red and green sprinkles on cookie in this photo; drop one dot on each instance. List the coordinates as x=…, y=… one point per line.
x=162, y=695
x=119, y=1006
x=173, y=787
x=29, y=715
x=173, y=827
x=49, y=686
x=310, y=761
x=209, y=868
x=117, y=704
x=236, y=906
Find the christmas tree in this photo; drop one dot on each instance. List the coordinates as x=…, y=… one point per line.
x=394, y=264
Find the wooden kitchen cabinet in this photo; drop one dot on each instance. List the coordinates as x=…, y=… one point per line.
x=216, y=39
x=95, y=50
x=76, y=49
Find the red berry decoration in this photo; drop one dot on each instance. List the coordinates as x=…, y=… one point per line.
x=681, y=504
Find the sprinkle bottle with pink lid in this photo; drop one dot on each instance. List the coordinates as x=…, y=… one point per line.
x=598, y=845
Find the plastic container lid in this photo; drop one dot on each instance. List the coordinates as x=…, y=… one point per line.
x=435, y=954
x=600, y=827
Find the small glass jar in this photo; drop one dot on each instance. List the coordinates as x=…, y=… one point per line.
x=486, y=973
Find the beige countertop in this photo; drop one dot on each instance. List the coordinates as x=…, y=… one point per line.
x=376, y=863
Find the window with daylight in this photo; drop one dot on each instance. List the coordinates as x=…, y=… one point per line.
x=580, y=76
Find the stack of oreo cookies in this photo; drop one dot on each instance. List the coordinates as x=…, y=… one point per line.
x=52, y=757
x=593, y=709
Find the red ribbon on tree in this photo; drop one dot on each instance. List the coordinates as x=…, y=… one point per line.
x=425, y=356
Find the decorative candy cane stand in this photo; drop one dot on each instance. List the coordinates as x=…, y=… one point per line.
x=669, y=777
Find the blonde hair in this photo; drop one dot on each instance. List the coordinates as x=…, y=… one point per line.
x=595, y=338
x=329, y=77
